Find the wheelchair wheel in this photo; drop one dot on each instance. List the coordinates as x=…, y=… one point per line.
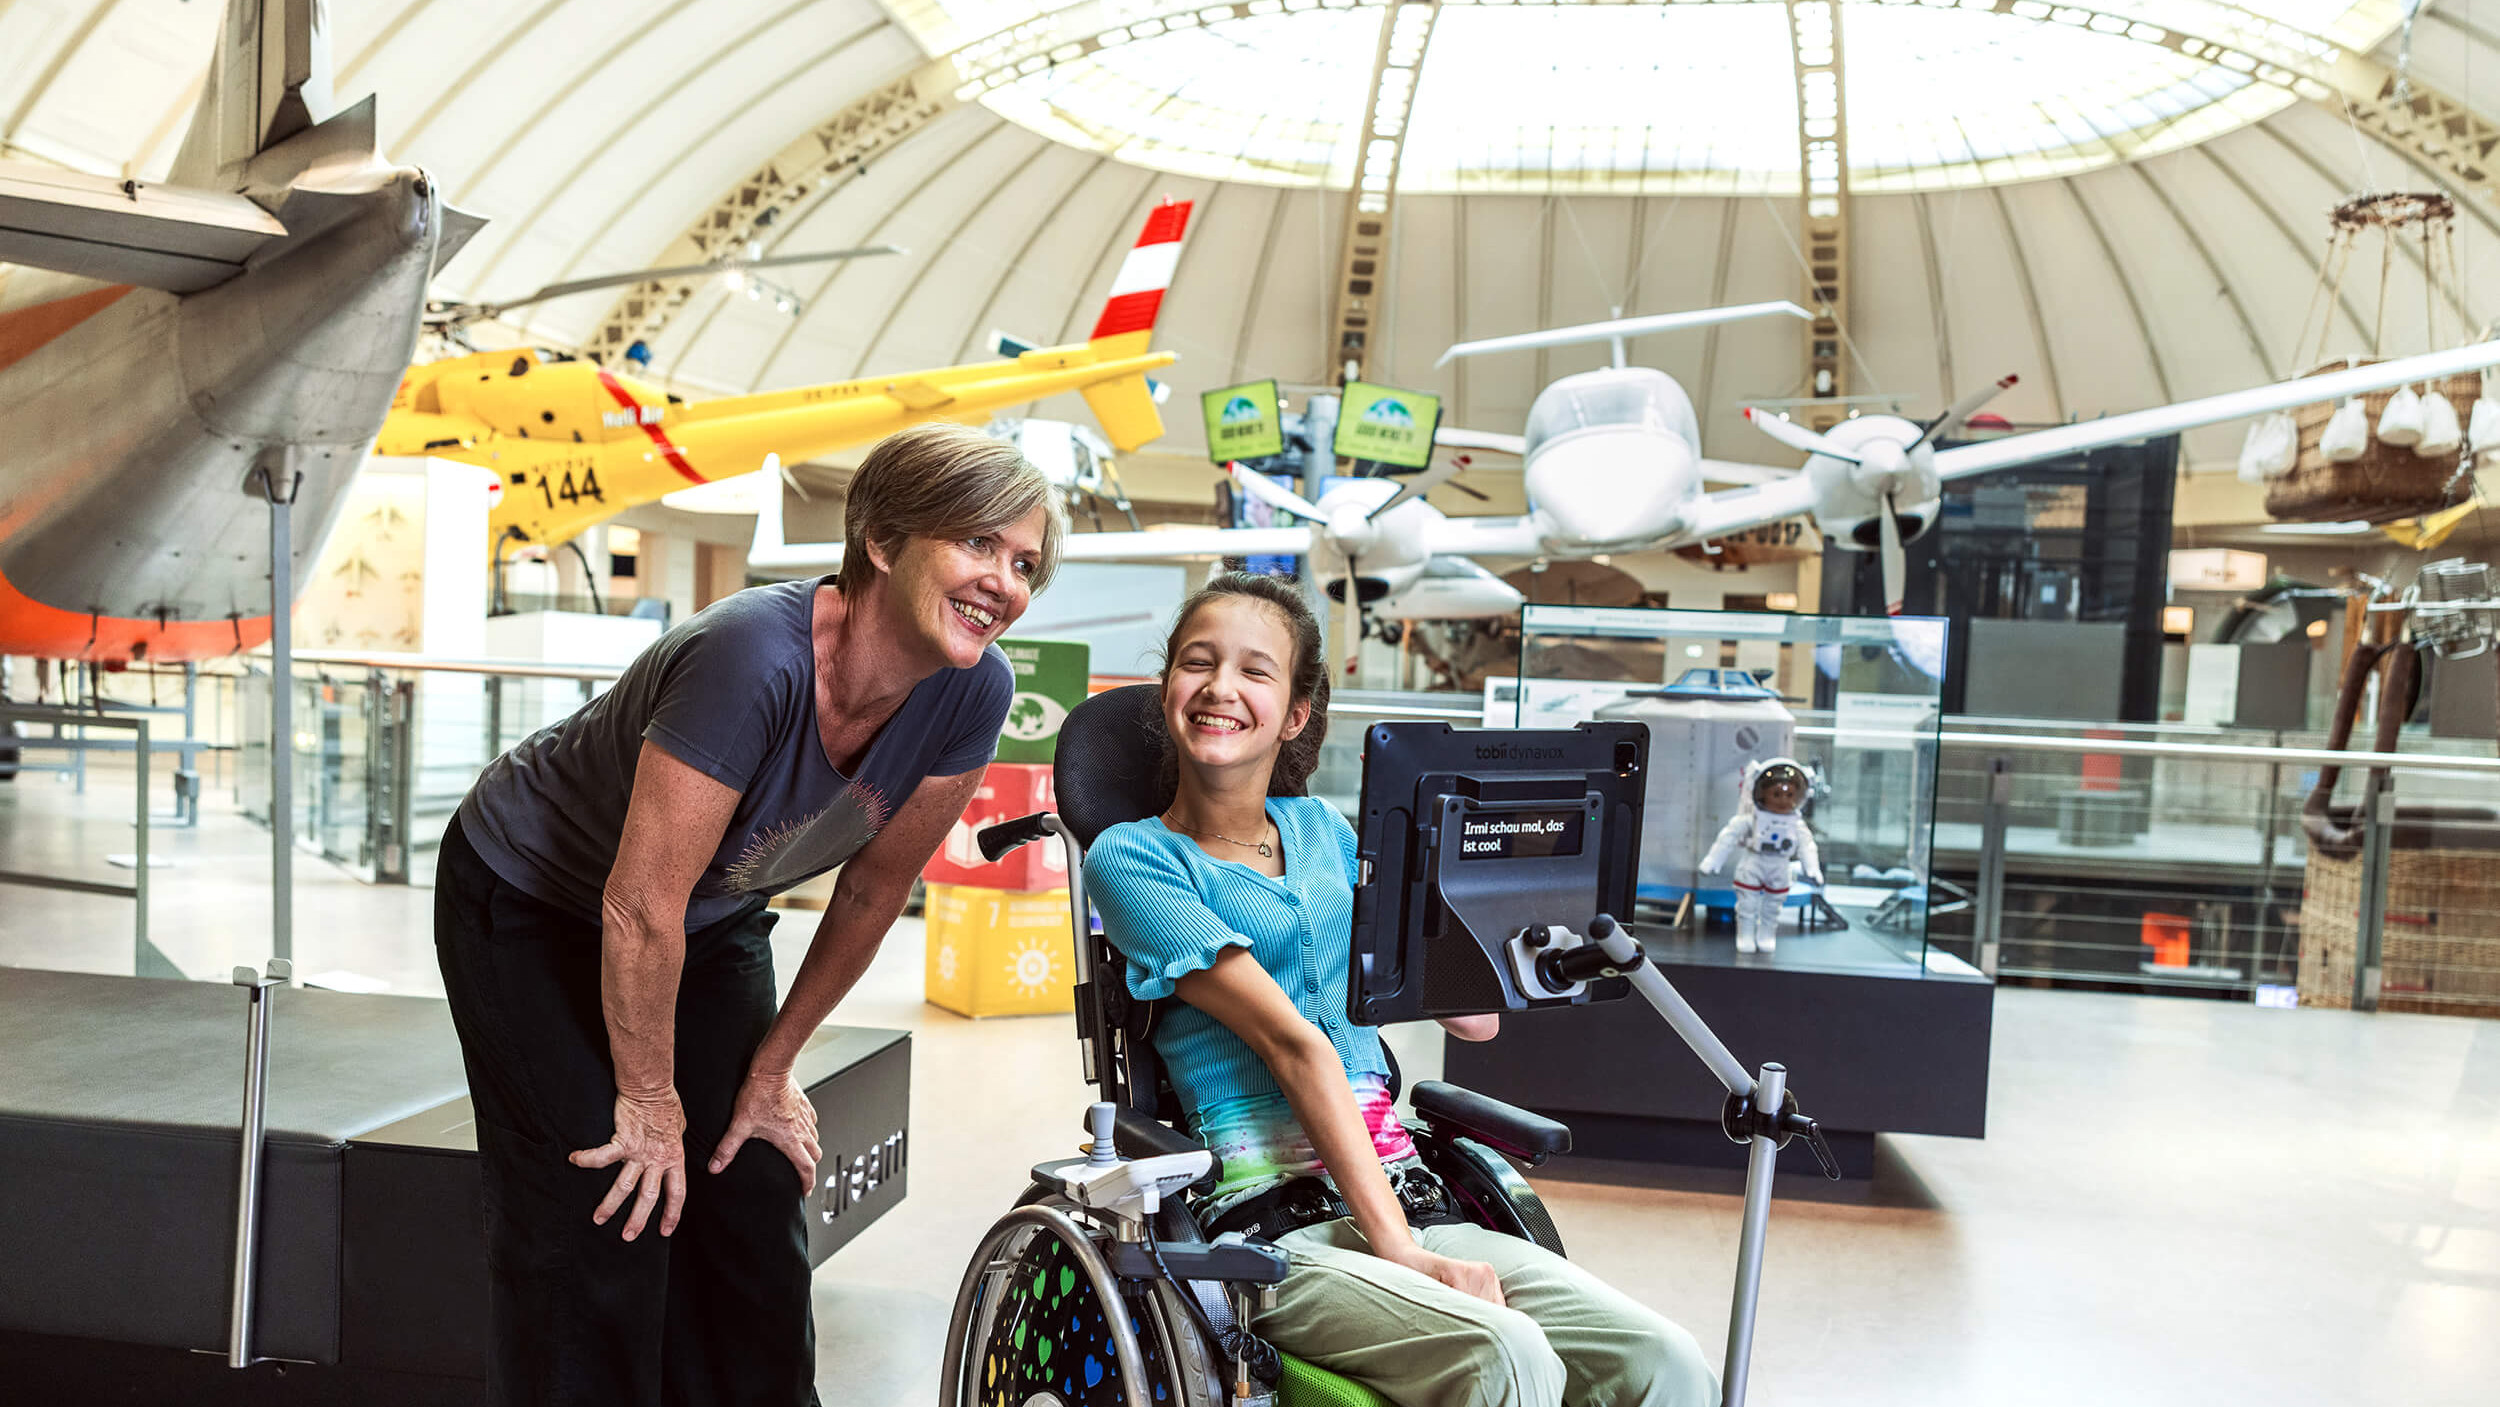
x=1042, y=1322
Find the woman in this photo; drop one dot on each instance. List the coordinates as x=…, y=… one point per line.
x=600, y=920
x=1238, y=899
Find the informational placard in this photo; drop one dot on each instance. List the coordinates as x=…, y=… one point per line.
x=1243, y=422
x=1560, y=703
x=1519, y=835
x=1882, y=722
x=1386, y=425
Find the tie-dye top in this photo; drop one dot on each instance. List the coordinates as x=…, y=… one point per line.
x=1261, y=1145
x=1172, y=909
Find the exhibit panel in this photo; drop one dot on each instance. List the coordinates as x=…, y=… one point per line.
x=1853, y=702
x=1793, y=918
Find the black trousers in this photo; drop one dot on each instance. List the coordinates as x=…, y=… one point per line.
x=715, y=1313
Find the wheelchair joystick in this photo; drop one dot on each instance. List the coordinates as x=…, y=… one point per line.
x=1104, y=1118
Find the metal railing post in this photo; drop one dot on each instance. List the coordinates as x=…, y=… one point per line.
x=1988, y=903
x=494, y=717
x=2370, y=924
x=139, y=844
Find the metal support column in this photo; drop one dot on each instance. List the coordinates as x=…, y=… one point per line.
x=1761, y=1159
x=1823, y=185
x=281, y=705
x=254, y=1130
x=1363, y=251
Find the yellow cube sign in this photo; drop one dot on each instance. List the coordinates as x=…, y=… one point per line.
x=998, y=952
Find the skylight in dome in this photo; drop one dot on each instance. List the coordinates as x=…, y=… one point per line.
x=1650, y=97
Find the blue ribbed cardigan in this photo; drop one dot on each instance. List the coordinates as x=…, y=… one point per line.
x=1170, y=908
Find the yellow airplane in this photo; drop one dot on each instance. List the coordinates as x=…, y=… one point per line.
x=573, y=443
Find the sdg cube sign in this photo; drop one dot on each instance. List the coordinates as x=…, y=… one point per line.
x=1386, y=425
x=1243, y=422
x=1050, y=680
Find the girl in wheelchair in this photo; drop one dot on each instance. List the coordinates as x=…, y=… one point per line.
x=1238, y=901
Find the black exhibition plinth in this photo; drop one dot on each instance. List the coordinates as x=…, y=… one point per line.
x=118, y=1148
x=1871, y=1046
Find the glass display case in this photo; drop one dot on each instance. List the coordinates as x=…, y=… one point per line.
x=1856, y=701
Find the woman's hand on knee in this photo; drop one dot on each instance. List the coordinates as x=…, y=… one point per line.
x=648, y=1150
x=1470, y=1277
x=772, y=1107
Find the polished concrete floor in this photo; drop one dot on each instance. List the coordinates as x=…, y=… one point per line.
x=2178, y=1201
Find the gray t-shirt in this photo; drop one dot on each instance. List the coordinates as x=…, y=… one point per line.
x=732, y=694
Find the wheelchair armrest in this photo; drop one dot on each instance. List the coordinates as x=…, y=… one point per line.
x=1141, y=1137
x=1236, y=1261
x=1505, y=1128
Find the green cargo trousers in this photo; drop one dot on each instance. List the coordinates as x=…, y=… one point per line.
x=1565, y=1337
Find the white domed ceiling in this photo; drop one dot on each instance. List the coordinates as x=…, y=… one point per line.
x=2113, y=221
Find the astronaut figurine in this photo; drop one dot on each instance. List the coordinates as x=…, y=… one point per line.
x=1766, y=834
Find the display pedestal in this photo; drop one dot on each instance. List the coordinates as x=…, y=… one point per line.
x=118, y=1148
x=1882, y=1050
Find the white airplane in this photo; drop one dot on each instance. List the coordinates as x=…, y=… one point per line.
x=1613, y=463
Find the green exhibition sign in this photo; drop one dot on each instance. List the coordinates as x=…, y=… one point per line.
x=1386, y=425
x=1243, y=422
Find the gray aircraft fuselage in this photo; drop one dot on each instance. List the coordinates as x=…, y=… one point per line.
x=131, y=520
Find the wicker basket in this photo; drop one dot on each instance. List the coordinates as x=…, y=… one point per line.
x=2439, y=950
x=2387, y=482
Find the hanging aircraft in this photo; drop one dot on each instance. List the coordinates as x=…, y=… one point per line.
x=1613, y=464
x=573, y=443
x=1077, y=462
x=163, y=343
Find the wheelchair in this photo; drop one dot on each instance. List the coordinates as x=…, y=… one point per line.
x=1099, y=1289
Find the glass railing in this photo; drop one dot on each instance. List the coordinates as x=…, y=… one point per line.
x=2173, y=857
x=2142, y=857
x=387, y=745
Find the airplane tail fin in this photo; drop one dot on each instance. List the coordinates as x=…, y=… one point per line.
x=269, y=81
x=1126, y=406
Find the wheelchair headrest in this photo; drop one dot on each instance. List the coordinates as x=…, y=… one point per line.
x=1110, y=750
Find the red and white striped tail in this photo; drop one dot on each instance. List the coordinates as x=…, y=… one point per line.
x=1137, y=294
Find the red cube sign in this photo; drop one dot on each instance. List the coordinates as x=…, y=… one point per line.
x=1007, y=790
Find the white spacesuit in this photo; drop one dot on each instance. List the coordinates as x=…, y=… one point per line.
x=1765, y=835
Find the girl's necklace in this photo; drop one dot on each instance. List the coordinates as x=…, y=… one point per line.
x=1266, y=851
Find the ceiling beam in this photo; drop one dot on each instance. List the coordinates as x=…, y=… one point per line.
x=1358, y=296
x=2436, y=129
x=1823, y=194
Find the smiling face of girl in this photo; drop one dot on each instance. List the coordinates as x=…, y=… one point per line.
x=1228, y=700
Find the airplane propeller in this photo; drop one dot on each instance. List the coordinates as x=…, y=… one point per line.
x=1884, y=470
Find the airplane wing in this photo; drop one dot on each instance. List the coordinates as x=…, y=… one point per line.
x=1457, y=437
x=1184, y=542
x=1728, y=471
x=1621, y=328
x=1734, y=510
x=167, y=237
x=1965, y=460
x=1484, y=537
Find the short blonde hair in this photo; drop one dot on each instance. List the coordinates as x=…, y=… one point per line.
x=942, y=481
